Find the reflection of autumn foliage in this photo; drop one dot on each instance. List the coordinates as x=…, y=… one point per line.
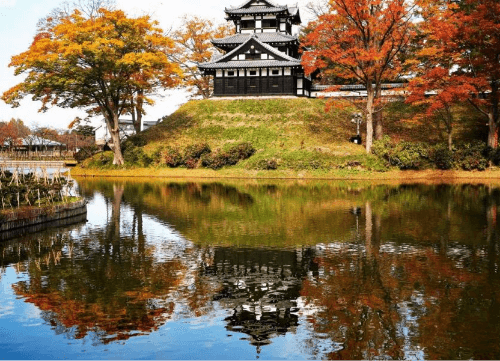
x=122, y=295
x=90, y=317
x=362, y=299
x=199, y=293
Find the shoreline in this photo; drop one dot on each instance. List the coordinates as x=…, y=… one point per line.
x=426, y=176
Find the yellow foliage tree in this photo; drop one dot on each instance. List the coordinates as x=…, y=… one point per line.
x=97, y=63
x=193, y=46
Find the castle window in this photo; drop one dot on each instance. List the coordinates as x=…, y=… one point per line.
x=253, y=72
x=248, y=24
x=255, y=56
x=275, y=72
x=230, y=73
x=269, y=23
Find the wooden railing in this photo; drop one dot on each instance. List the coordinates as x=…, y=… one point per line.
x=36, y=156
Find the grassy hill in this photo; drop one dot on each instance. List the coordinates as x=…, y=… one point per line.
x=295, y=132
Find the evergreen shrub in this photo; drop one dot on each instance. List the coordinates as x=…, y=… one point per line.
x=214, y=160
x=135, y=156
x=404, y=155
x=242, y=150
x=195, y=151
x=267, y=164
x=191, y=163
x=471, y=156
x=442, y=157
x=172, y=157
x=407, y=155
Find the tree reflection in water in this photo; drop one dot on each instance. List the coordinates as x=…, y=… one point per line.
x=108, y=283
x=383, y=300
x=412, y=272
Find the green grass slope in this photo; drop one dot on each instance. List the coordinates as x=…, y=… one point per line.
x=297, y=133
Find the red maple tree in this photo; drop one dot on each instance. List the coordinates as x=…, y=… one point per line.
x=361, y=41
x=460, y=58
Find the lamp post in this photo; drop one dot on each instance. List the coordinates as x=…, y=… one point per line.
x=357, y=118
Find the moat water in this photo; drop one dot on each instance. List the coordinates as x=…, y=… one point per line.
x=259, y=269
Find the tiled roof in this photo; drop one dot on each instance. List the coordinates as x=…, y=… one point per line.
x=285, y=60
x=34, y=140
x=293, y=10
x=249, y=64
x=257, y=10
x=264, y=37
x=386, y=86
x=249, y=1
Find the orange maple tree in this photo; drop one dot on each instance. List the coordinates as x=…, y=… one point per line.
x=438, y=91
x=361, y=41
x=98, y=64
x=460, y=58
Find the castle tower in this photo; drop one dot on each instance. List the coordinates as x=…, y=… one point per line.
x=262, y=58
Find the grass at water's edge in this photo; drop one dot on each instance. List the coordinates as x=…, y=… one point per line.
x=433, y=176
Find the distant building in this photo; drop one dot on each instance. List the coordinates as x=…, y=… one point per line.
x=262, y=58
x=33, y=144
x=102, y=135
x=146, y=124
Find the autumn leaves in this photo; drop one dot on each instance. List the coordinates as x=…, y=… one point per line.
x=107, y=64
x=447, y=49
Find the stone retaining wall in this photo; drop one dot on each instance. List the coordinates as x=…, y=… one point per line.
x=26, y=219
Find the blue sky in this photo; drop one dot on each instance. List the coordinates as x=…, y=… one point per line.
x=18, y=19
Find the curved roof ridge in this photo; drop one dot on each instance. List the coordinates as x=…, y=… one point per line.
x=271, y=49
x=272, y=3
x=231, y=53
x=264, y=37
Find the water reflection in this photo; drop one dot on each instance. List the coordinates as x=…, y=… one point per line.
x=261, y=287
x=347, y=270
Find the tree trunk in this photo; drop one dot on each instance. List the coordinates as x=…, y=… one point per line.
x=493, y=116
x=139, y=120
x=378, y=117
x=379, y=131
x=492, y=131
x=450, y=140
x=138, y=110
x=369, y=119
x=114, y=131
x=368, y=229
x=114, y=225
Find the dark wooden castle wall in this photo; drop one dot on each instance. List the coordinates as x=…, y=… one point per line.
x=270, y=85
